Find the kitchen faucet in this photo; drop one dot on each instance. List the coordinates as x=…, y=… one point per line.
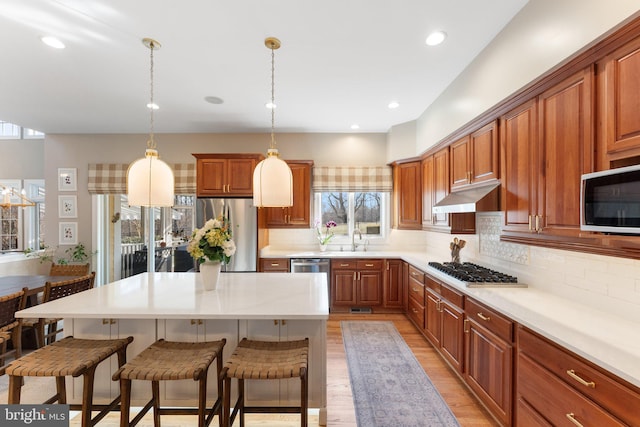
x=354, y=245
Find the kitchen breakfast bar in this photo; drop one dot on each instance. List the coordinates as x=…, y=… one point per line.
x=175, y=306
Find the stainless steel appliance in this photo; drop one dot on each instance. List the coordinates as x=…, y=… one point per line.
x=243, y=217
x=475, y=276
x=313, y=265
x=610, y=201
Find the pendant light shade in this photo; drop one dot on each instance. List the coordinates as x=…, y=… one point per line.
x=272, y=182
x=272, y=177
x=150, y=181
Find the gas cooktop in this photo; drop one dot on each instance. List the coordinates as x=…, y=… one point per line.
x=474, y=275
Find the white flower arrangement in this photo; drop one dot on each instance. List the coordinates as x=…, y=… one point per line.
x=212, y=242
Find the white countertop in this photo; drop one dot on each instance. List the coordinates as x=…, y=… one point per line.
x=182, y=296
x=603, y=338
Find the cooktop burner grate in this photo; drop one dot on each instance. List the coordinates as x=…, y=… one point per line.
x=473, y=273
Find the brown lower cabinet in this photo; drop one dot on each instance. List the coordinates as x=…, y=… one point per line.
x=356, y=283
x=274, y=265
x=557, y=387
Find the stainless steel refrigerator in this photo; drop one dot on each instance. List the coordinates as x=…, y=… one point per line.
x=243, y=217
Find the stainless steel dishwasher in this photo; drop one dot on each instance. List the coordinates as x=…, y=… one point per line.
x=313, y=265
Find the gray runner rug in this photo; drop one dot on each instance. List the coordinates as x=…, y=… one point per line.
x=390, y=388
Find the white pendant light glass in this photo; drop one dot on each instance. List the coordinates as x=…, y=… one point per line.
x=272, y=177
x=150, y=181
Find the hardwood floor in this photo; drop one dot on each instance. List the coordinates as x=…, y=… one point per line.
x=340, y=408
x=340, y=401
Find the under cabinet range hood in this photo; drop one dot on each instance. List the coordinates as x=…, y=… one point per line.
x=481, y=198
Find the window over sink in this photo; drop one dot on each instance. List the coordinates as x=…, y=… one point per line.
x=366, y=212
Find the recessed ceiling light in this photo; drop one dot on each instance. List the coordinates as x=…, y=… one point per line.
x=436, y=38
x=213, y=100
x=270, y=105
x=393, y=105
x=52, y=42
x=153, y=106
x=355, y=126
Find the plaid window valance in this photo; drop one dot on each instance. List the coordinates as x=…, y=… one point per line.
x=111, y=178
x=352, y=178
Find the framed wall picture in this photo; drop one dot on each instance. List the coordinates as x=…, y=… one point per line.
x=67, y=179
x=67, y=206
x=68, y=233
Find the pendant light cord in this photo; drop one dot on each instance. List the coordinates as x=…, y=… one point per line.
x=151, y=143
x=273, y=104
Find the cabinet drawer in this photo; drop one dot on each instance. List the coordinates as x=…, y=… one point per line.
x=274, y=264
x=369, y=264
x=490, y=319
x=416, y=274
x=560, y=404
x=432, y=284
x=347, y=264
x=416, y=312
x=416, y=292
x=454, y=297
x=602, y=388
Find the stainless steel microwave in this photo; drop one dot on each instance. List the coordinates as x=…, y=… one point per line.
x=610, y=201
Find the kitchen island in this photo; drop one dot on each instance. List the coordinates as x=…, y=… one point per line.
x=175, y=306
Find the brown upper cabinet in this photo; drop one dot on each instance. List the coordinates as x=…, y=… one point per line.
x=547, y=144
x=619, y=86
x=226, y=175
x=435, y=186
x=475, y=157
x=298, y=215
x=408, y=195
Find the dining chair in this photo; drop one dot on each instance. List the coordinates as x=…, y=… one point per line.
x=10, y=328
x=47, y=329
x=69, y=269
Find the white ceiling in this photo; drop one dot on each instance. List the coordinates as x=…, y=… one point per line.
x=341, y=62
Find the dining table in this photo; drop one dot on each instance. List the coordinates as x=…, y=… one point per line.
x=34, y=284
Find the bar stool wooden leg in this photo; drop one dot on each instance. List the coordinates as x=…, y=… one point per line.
x=241, y=401
x=155, y=393
x=87, y=396
x=15, y=386
x=61, y=391
x=304, y=393
x=125, y=402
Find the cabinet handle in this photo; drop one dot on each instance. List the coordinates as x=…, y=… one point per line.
x=275, y=264
x=538, y=223
x=196, y=321
x=112, y=321
x=105, y=321
x=415, y=289
x=344, y=265
x=387, y=265
x=414, y=310
x=283, y=322
x=439, y=305
x=368, y=265
x=275, y=323
x=530, y=228
x=582, y=381
x=413, y=273
x=483, y=317
x=354, y=276
x=572, y=418
x=359, y=275
x=465, y=326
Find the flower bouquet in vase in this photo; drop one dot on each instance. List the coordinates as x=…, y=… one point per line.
x=211, y=246
x=324, y=233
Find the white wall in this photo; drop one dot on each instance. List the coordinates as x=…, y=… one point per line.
x=544, y=34
x=21, y=158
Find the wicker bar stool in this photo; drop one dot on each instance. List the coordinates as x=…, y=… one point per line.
x=166, y=360
x=266, y=360
x=69, y=356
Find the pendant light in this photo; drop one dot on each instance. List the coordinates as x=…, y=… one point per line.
x=150, y=180
x=272, y=177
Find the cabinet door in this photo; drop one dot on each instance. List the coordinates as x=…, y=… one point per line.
x=393, y=293
x=440, y=183
x=369, y=287
x=567, y=144
x=452, y=337
x=211, y=176
x=488, y=369
x=484, y=153
x=519, y=140
x=343, y=287
x=620, y=79
x=432, y=318
x=409, y=195
x=240, y=176
x=427, y=191
x=460, y=163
